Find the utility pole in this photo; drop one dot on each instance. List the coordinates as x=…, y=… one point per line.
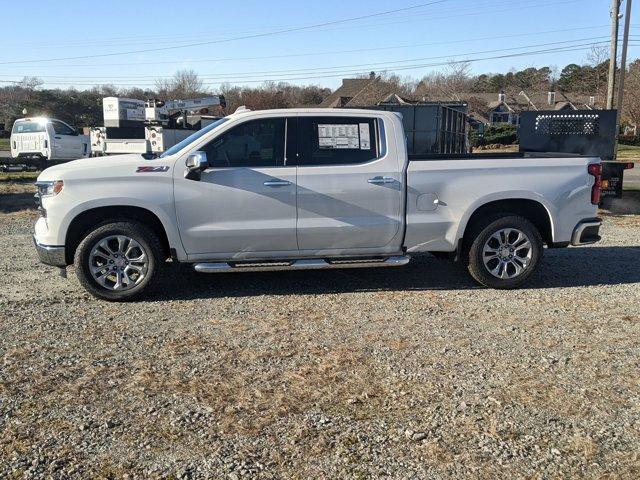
x=623, y=58
x=615, y=9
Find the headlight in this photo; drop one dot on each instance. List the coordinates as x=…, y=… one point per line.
x=50, y=188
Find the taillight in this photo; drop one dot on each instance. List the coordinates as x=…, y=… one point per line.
x=628, y=166
x=595, y=169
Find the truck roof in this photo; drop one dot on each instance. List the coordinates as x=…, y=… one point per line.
x=333, y=112
x=37, y=119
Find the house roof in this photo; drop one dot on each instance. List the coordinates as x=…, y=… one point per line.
x=363, y=92
x=372, y=93
x=478, y=117
x=396, y=99
x=350, y=88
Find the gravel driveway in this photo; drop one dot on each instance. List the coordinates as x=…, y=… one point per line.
x=399, y=373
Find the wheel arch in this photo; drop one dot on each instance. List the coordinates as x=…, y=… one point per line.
x=534, y=210
x=91, y=218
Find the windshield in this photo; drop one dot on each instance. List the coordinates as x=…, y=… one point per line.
x=28, y=127
x=192, y=138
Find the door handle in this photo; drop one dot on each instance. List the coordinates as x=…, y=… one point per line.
x=57, y=138
x=276, y=183
x=381, y=180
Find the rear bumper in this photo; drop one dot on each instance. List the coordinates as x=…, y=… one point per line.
x=586, y=232
x=51, y=254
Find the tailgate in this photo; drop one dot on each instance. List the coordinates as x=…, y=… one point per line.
x=27, y=142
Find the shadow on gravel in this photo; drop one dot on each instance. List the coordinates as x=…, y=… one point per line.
x=15, y=202
x=570, y=267
x=629, y=204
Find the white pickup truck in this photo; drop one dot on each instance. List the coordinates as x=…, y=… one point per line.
x=308, y=189
x=45, y=141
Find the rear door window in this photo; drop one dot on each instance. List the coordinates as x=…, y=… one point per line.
x=337, y=140
x=28, y=127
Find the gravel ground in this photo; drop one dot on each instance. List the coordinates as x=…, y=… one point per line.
x=398, y=373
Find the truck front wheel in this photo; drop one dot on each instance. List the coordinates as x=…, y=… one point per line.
x=505, y=251
x=119, y=261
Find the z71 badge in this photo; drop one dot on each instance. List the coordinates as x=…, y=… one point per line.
x=152, y=169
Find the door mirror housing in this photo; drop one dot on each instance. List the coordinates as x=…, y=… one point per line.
x=196, y=163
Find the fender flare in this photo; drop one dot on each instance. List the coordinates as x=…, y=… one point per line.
x=508, y=195
x=168, y=223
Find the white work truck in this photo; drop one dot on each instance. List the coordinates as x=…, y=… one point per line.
x=44, y=141
x=151, y=126
x=309, y=189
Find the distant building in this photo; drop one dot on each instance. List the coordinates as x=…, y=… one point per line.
x=499, y=108
x=359, y=92
x=484, y=108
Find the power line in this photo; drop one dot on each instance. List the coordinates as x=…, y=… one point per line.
x=333, y=52
x=244, y=37
x=368, y=65
x=186, y=36
x=361, y=72
x=288, y=30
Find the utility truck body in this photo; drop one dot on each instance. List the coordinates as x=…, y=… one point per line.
x=151, y=126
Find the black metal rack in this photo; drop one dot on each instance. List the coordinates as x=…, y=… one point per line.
x=582, y=132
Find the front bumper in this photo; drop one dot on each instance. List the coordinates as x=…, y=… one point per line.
x=586, y=232
x=50, y=254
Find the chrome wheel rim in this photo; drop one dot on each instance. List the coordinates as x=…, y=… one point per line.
x=118, y=262
x=507, y=253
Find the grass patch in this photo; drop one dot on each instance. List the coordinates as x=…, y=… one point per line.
x=19, y=176
x=4, y=144
x=628, y=153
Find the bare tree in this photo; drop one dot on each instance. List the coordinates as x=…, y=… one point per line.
x=183, y=85
x=454, y=80
x=598, y=58
x=457, y=78
x=30, y=83
x=16, y=97
x=631, y=103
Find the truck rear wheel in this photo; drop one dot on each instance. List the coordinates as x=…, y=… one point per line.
x=505, y=251
x=119, y=261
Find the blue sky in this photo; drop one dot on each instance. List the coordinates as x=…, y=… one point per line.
x=249, y=41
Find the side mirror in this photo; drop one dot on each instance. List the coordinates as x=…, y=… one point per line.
x=196, y=163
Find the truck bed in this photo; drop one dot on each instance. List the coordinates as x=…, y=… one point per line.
x=443, y=190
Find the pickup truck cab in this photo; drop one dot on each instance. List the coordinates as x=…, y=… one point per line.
x=44, y=141
x=308, y=189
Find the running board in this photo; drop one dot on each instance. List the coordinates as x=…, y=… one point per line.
x=302, y=264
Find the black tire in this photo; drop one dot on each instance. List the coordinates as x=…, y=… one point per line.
x=480, y=235
x=147, y=239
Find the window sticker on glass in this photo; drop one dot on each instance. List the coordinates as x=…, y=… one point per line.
x=365, y=142
x=339, y=136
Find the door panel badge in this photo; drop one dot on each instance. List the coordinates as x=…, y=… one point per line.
x=148, y=169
